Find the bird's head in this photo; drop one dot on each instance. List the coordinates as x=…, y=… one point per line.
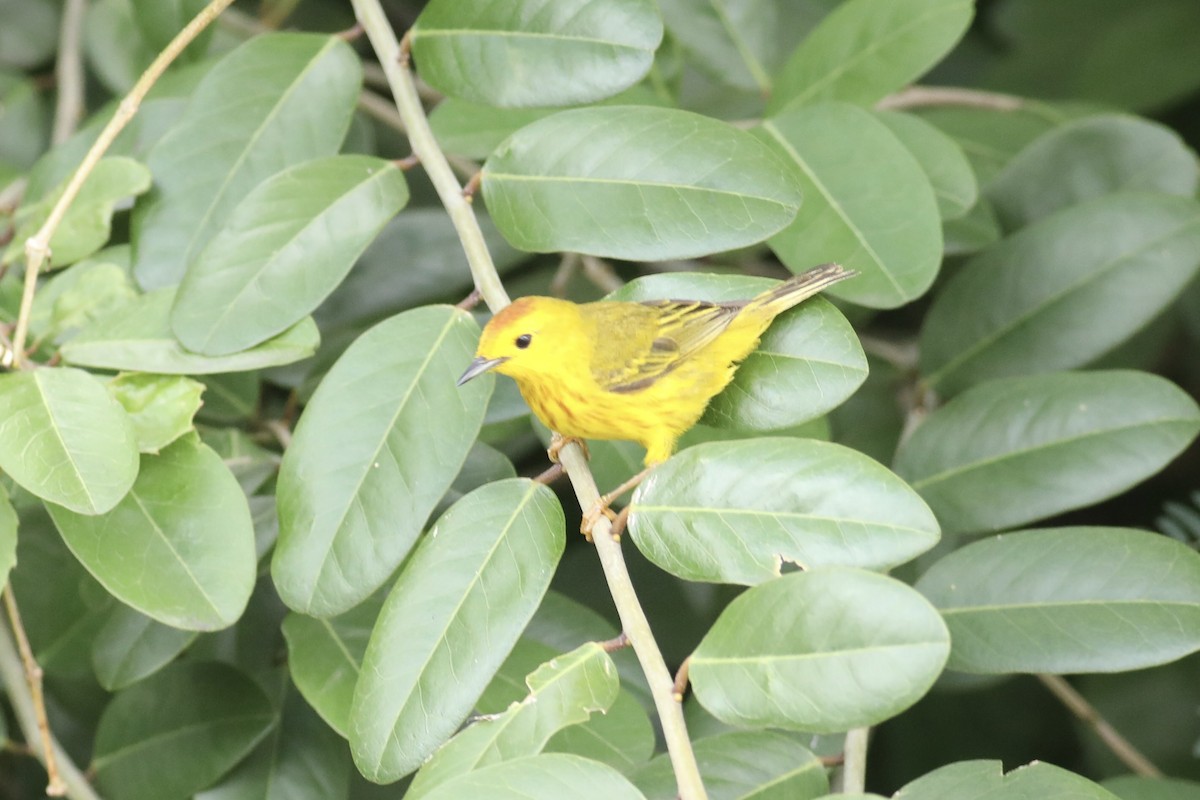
x=527, y=339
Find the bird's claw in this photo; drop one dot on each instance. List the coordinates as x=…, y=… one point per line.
x=599, y=508
x=558, y=442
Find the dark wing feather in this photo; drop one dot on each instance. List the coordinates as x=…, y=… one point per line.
x=638, y=343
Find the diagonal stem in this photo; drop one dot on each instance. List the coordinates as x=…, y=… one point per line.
x=1121, y=747
x=394, y=58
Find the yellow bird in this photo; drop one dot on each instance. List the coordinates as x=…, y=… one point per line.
x=641, y=372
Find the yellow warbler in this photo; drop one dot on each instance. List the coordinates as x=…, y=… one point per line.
x=641, y=372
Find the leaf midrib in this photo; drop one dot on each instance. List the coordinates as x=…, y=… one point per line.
x=638, y=184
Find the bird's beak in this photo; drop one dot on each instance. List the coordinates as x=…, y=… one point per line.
x=479, y=366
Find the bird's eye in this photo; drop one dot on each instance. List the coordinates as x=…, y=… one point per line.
x=523, y=340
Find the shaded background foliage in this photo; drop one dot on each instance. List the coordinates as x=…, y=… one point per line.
x=1068, y=179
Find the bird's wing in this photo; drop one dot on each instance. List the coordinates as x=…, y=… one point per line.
x=638, y=343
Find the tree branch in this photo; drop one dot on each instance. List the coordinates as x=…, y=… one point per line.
x=37, y=247
x=921, y=96
x=854, y=764
x=1121, y=747
x=68, y=107
x=394, y=58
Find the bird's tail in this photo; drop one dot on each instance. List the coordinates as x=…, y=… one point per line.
x=799, y=288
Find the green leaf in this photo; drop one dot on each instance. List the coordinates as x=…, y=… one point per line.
x=24, y=132
x=65, y=439
x=131, y=646
x=179, y=547
x=869, y=205
x=637, y=183
x=1134, y=787
x=30, y=32
x=984, y=780
x=941, y=158
x=452, y=617
x=825, y=650
x=732, y=512
x=972, y=232
x=160, y=406
x=290, y=243
x=1020, y=449
x=8, y=537
x=550, y=776
x=562, y=692
x=301, y=759
x=740, y=43
x=866, y=49
x=231, y=397
x=250, y=463
x=1089, y=158
x=160, y=20
x=137, y=336
x=1118, y=262
x=200, y=718
x=325, y=657
x=77, y=296
x=806, y=364
x=234, y=134
x=417, y=259
x=1130, y=599
x=376, y=448
x=580, y=50
x=88, y=222
x=622, y=737
x=743, y=765
x=116, y=51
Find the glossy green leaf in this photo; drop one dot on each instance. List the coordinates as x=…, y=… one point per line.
x=1118, y=261
x=868, y=204
x=740, y=43
x=638, y=183
x=732, y=512
x=1020, y=449
x=824, y=650
x=743, y=765
x=550, y=776
x=985, y=780
x=452, y=617
x=1130, y=599
x=866, y=49
x=325, y=657
x=130, y=646
x=290, y=243
x=941, y=158
x=301, y=759
x=8, y=537
x=376, y=448
x=160, y=406
x=1135, y=787
x=179, y=547
x=564, y=691
x=137, y=336
x=234, y=134
x=806, y=364
x=201, y=718
x=580, y=50
x=1089, y=158
x=622, y=737
x=88, y=222
x=65, y=439
x=78, y=295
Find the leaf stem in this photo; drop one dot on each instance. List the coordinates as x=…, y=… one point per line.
x=68, y=107
x=922, y=96
x=854, y=765
x=1121, y=747
x=22, y=677
x=37, y=247
x=394, y=59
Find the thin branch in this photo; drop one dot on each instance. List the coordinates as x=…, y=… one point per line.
x=601, y=273
x=854, y=764
x=923, y=96
x=394, y=59
x=23, y=677
x=68, y=108
x=37, y=247
x=1121, y=747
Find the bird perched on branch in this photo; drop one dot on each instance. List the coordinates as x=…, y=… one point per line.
x=641, y=372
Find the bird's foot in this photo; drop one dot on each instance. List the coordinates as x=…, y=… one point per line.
x=599, y=509
x=558, y=442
